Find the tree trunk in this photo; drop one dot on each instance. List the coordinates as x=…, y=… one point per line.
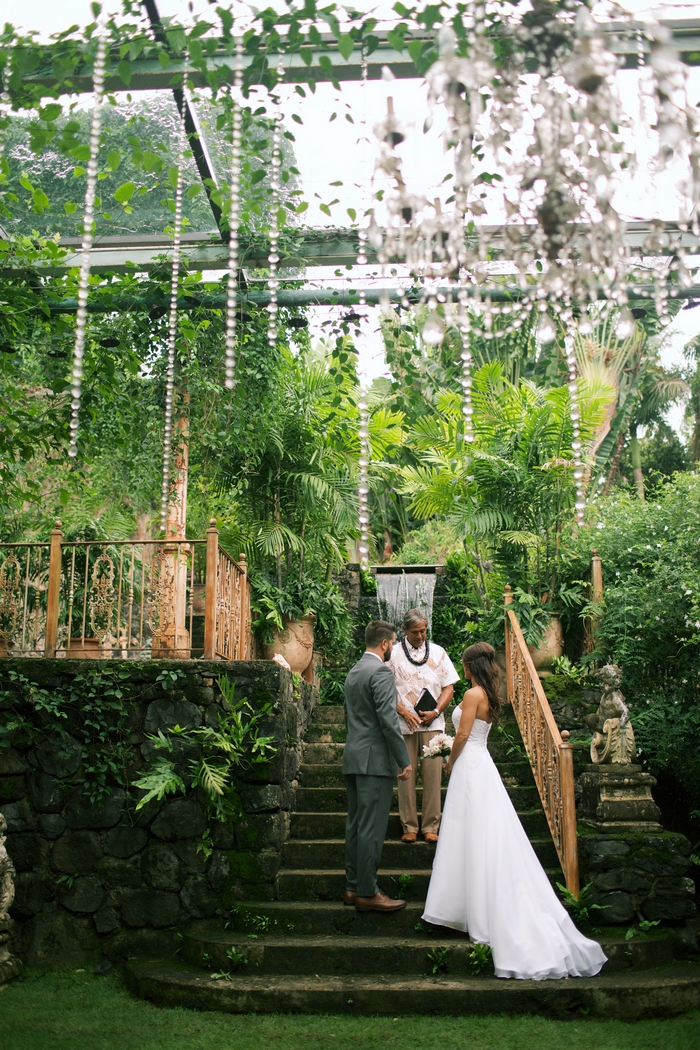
x=636, y=462
x=615, y=463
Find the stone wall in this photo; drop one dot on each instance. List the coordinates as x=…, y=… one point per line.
x=101, y=879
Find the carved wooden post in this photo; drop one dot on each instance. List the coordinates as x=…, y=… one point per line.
x=596, y=595
x=507, y=600
x=568, y=803
x=243, y=619
x=54, y=591
x=211, y=593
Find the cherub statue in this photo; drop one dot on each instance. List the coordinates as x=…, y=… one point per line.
x=613, y=736
x=7, y=874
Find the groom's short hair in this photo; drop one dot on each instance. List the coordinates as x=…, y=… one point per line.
x=376, y=631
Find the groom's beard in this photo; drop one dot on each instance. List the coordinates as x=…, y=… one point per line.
x=387, y=656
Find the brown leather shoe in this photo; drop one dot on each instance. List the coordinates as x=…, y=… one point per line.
x=410, y=836
x=380, y=902
x=349, y=897
x=429, y=837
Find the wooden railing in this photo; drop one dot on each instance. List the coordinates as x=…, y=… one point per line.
x=166, y=599
x=227, y=624
x=550, y=753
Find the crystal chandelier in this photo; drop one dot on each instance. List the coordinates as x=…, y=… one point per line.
x=535, y=131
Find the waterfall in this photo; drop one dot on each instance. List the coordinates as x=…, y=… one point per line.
x=399, y=592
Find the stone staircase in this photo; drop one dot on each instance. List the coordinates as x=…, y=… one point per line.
x=306, y=952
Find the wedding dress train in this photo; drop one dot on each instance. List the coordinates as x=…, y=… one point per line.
x=487, y=880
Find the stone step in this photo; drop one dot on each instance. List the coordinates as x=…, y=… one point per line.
x=330, y=955
x=503, y=748
x=329, y=749
x=326, y=825
x=302, y=918
x=307, y=884
x=330, y=774
x=630, y=995
x=323, y=884
x=333, y=799
x=328, y=714
x=385, y=949
x=330, y=853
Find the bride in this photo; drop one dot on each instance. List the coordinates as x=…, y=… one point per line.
x=486, y=878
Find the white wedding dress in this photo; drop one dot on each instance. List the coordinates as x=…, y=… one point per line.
x=487, y=880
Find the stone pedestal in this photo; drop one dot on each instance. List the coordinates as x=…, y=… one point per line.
x=617, y=798
x=10, y=966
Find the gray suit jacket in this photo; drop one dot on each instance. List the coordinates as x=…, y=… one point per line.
x=374, y=744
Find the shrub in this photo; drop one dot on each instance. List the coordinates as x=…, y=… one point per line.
x=651, y=615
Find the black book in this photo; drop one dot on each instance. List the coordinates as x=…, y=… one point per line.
x=426, y=702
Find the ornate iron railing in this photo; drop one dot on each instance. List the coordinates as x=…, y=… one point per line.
x=550, y=753
x=166, y=599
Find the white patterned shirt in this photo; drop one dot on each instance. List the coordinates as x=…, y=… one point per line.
x=438, y=672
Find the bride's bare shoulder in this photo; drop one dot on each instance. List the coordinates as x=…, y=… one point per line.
x=472, y=697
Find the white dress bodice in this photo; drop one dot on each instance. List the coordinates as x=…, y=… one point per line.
x=480, y=730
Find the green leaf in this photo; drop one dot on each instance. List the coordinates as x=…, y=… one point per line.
x=172, y=176
x=301, y=208
x=346, y=45
x=257, y=176
x=297, y=118
x=52, y=111
x=114, y=159
x=352, y=213
x=124, y=70
x=325, y=209
x=125, y=192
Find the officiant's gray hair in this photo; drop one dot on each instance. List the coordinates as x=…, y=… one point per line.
x=413, y=618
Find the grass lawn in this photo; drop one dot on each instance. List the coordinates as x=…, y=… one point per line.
x=75, y=1010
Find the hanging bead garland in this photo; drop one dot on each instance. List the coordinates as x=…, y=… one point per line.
x=273, y=257
x=580, y=504
x=98, y=80
x=172, y=325
x=234, y=213
x=362, y=233
x=363, y=486
x=466, y=356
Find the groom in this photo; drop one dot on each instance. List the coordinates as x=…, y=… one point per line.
x=374, y=748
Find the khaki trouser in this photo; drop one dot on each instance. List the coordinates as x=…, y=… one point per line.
x=431, y=773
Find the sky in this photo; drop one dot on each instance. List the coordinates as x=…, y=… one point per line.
x=329, y=151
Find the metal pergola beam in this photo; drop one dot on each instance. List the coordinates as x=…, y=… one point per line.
x=193, y=129
x=149, y=74
x=318, y=247
x=304, y=297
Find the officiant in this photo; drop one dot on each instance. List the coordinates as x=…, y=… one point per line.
x=425, y=676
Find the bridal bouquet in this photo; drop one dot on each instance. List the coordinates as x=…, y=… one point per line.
x=439, y=747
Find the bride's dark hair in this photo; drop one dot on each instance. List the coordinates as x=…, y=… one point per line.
x=484, y=672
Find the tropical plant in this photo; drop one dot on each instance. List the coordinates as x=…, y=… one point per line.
x=236, y=743
x=510, y=491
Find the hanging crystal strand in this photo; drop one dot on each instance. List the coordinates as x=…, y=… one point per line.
x=273, y=258
x=580, y=504
x=363, y=486
x=234, y=213
x=98, y=80
x=172, y=327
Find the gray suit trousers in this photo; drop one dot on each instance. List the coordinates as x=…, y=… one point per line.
x=369, y=804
